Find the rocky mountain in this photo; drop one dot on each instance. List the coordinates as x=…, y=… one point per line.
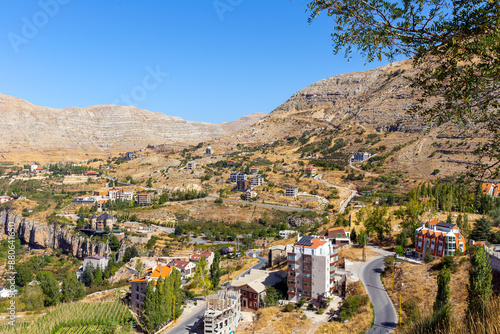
x=26, y=127
x=56, y=236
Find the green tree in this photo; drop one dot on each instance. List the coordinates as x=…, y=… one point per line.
x=215, y=273
x=399, y=250
x=455, y=52
x=33, y=297
x=201, y=276
x=479, y=288
x=411, y=215
x=272, y=297
x=50, y=287
x=442, y=304
x=466, y=226
x=402, y=239
x=72, y=288
x=150, y=310
x=376, y=219
x=353, y=235
x=130, y=253
x=481, y=230
x=88, y=275
x=24, y=274
x=97, y=276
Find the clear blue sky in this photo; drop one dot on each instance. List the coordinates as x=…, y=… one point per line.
x=215, y=64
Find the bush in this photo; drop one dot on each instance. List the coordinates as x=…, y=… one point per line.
x=351, y=305
x=428, y=258
x=411, y=310
x=289, y=308
x=321, y=310
x=399, y=250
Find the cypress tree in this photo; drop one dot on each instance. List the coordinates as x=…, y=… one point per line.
x=479, y=287
x=481, y=230
x=149, y=310
x=215, y=273
x=354, y=236
x=443, y=293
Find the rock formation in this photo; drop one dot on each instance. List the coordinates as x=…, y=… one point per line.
x=56, y=236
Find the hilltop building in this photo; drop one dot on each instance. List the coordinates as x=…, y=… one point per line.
x=235, y=177
x=310, y=171
x=191, y=165
x=278, y=254
x=292, y=191
x=120, y=194
x=250, y=194
x=439, y=239
x=254, y=170
x=209, y=150
x=361, y=156
x=207, y=255
x=223, y=312
x=491, y=189
x=311, y=268
x=100, y=223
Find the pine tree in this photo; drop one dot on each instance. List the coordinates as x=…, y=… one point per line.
x=449, y=219
x=459, y=221
x=354, y=237
x=479, y=287
x=215, y=273
x=149, y=311
x=466, y=227
x=443, y=293
x=481, y=230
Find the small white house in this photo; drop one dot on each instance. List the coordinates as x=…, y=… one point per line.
x=191, y=165
x=95, y=261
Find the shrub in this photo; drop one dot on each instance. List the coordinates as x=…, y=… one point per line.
x=351, y=305
x=399, y=250
x=289, y=307
x=428, y=258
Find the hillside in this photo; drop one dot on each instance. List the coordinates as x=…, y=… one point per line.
x=27, y=128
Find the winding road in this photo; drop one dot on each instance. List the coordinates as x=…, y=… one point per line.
x=386, y=318
x=345, y=203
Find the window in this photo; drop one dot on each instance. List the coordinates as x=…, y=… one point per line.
x=338, y=235
x=255, y=295
x=137, y=288
x=307, y=275
x=244, y=293
x=254, y=304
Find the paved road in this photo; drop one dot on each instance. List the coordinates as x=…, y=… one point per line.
x=344, y=204
x=386, y=317
x=360, y=170
x=193, y=323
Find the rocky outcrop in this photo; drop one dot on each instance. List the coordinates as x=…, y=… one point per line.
x=56, y=236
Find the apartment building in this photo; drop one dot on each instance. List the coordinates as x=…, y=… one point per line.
x=235, y=177
x=439, y=239
x=143, y=199
x=311, y=268
x=223, y=312
x=256, y=181
x=292, y=191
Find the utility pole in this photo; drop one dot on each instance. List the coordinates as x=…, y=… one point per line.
x=393, y=267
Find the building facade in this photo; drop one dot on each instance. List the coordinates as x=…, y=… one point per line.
x=144, y=199
x=223, y=313
x=291, y=191
x=103, y=222
x=438, y=239
x=311, y=268
x=256, y=181
x=252, y=286
x=339, y=236
x=138, y=286
x=242, y=184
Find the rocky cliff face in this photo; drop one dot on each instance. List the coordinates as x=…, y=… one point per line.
x=26, y=127
x=55, y=236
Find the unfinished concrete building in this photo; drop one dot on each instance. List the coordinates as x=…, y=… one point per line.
x=223, y=312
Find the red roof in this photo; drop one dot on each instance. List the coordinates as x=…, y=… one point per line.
x=179, y=264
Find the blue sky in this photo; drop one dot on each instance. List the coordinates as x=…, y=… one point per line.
x=212, y=61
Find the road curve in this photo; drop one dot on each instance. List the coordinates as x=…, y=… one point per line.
x=386, y=317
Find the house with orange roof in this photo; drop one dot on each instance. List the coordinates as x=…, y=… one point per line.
x=310, y=171
x=91, y=173
x=254, y=170
x=312, y=254
x=138, y=286
x=438, y=239
x=338, y=236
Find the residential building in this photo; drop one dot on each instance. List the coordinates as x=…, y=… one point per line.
x=84, y=201
x=254, y=170
x=256, y=181
x=186, y=268
x=95, y=261
x=242, y=185
x=102, y=222
x=231, y=163
x=235, y=177
x=285, y=234
x=33, y=168
x=191, y=165
x=223, y=313
x=209, y=150
x=143, y=199
x=252, y=286
x=91, y=173
x=120, y=194
x=311, y=268
x=129, y=155
x=138, y=286
x=339, y=236
x=250, y=194
x=361, y=156
x=310, y=171
x=278, y=254
x=438, y=239
x=4, y=199
x=207, y=255
x=292, y=191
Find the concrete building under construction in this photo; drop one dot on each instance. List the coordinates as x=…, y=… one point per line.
x=223, y=312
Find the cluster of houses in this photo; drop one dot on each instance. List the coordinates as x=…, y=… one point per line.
x=186, y=266
x=243, y=183
x=102, y=197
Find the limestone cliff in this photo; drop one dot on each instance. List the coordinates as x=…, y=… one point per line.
x=55, y=236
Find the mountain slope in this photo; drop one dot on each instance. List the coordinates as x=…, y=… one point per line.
x=26, y=127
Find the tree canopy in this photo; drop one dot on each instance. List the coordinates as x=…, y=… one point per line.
x=455, y=49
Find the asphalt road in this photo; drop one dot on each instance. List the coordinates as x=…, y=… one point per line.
x=386, y=317
x=192, y=323
x=345, y=203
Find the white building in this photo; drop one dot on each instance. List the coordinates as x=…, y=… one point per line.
x=223, y=312
x=33, y=168
x=256, y=181
x=4, y=199
x=120, y=194
x=209, y=150
x=191, y=165
x=95, y=261
x=235, y=177
x=292, y=191
x=250, y=194
x=285, y=234
x=311, y=268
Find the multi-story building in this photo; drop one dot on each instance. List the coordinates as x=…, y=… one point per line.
x=292, y=191
x=143, y=199
x=235, y=177
x=491, y=189
x=191, y=165
x=120, y=194
x=186, y=268
x=103, y=222
x=250, y=194
x=361, y=156
x=310, y=171
x=242, y=184
x=311, y=268
x=206, y=254
x=339, y=236
x=223, y=312
x=138, y=286
x=438, y=239
x=278, y=254
x=256, y=181
x=254, y=170
x=209, y=150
